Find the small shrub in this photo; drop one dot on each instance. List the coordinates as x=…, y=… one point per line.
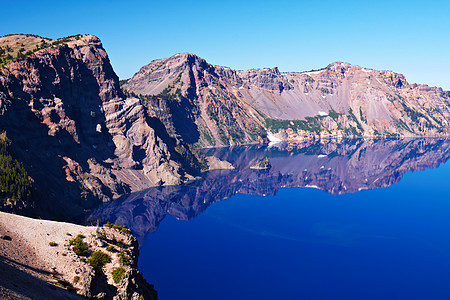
x=117, y=274
x=125, y=230
x=101, y=234
x=98, y=259
x=124, y=260
x=52, y=244
x=122, y=229
x=68, y=234
x=111, y=249
x=76, y=278
x=119, y=243
x=65, y=284
x=79, y=247
x=109, y=225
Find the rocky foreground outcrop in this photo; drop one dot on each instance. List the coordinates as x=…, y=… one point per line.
x=226, y=106
x=80, y=139
x=42, y=259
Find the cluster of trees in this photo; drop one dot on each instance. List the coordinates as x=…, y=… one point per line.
x=5, y=55
x=14, y=182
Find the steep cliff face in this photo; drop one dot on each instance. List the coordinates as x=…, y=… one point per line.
x=341, y=100
x=195, y=103
x=77, y=135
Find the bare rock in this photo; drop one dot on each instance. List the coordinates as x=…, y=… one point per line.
x=70, y=124
x=229, y=107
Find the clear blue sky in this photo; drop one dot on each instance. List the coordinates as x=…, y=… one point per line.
x=409, y=37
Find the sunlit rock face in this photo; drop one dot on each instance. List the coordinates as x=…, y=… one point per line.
x=337, y=168
x=229, y=107
x=81, y=140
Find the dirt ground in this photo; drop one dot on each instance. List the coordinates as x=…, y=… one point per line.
x=27, y=262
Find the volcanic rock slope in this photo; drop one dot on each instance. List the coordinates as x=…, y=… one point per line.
x=211, y=105
x=80, y=139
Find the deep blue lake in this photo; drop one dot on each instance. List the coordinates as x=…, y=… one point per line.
x=369, y=220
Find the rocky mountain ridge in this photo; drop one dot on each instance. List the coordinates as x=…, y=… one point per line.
x=69, y=123
x=226, y=106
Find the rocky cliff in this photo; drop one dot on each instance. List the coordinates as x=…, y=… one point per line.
x=42, y=259
x=80, y=139
x=222, y=106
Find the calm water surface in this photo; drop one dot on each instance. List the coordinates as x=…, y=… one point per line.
x=372, y=223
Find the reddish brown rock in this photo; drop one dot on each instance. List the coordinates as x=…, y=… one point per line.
x=79, y=138
x=235, y=107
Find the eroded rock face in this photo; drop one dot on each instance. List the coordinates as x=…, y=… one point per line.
x=341, y=100
x=196, y=102
x=76, y=133
x=53, y=251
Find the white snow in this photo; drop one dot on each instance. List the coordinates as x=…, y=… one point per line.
x=323, y=96
x=272, y=138
x=322, y=113
x=365, y=70
x=271, y=144
x=362, y=189
x=321, y=155
x=314, y=72
x=313, y=186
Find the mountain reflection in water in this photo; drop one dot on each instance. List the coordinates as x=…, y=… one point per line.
x=337, y=168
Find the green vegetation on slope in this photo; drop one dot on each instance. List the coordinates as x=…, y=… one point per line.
x=14, y=182
x=26, y=45
x=117, y=274
x=79, y=247
x=310, y=124
x=98, y=259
